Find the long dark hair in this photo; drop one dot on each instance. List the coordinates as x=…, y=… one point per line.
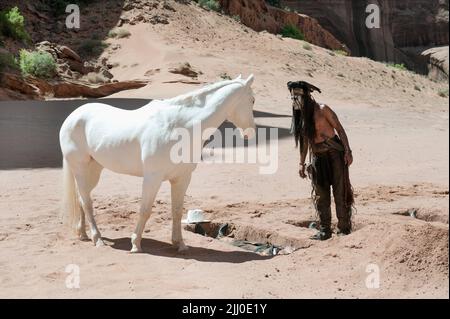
x=303, y=121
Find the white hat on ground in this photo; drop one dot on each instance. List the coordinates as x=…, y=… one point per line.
x=195, y=216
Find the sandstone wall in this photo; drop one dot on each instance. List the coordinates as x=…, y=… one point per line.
x=407, y=26
x=257, y=15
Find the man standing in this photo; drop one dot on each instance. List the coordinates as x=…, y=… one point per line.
x=317, y=129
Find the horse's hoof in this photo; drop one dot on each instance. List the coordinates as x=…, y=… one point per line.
x=83, y=237
x=182, y=247
x=100, y=243
x=135, y=250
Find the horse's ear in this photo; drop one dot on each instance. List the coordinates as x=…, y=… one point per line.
x=250, y=80
x=239, y=77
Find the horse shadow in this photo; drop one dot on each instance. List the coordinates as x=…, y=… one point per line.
x=159, y=248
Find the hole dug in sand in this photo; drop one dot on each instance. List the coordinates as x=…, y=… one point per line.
x=409, y=212
x=424, y=215
x=314, y=225
x=248, y=237
x=311, y=224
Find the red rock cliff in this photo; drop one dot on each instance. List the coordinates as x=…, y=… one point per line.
x=259, y=16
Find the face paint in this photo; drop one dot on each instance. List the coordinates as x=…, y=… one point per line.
x=299, y=98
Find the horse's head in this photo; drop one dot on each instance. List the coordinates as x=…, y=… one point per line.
x=242, y=114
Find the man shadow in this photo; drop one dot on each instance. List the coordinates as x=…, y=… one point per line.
x=163, y=249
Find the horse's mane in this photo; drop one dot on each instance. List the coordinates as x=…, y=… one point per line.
x=197, y=97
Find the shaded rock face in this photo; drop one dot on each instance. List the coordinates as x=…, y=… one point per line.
x=259, y=16
x=437, y=63
x=406, y=26
x=42, y=25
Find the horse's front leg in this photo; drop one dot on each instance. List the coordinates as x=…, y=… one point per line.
x=81, y=226
x=178, y=190
x=150, y=187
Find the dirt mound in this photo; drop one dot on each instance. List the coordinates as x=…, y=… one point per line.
x=421, y=248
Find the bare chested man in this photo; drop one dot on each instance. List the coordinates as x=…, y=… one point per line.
x=318, y=130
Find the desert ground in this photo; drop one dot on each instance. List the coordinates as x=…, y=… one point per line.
x=398, y=129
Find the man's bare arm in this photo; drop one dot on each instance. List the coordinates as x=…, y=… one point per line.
x=336, y=124
x=303, y=153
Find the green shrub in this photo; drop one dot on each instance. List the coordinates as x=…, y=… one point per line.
x=209, y=4
x=341, y=52
x=274, y=3
x=119, y=33
x=91, y=47
x=307, y=46
x=291, y=31
x=237, y=18
x=397, y=66
x=12, y=25
x=443, y=92
x=37, y=63
x=7, y=60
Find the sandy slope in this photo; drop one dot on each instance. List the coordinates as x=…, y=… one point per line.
x=399, y=136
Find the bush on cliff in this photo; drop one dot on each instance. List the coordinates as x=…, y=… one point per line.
x=37, y=63
x=209, y=4
x=12, y=25
x=91, y=47
x=274, y=3
x=291, y=31
x=7, y=61
x=399, y=66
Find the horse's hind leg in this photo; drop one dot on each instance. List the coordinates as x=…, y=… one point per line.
x=150, y=187
x=178, y=190
x=81, y=227
x=87, y=178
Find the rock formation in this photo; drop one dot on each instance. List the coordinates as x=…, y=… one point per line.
x=34, y=88
x=74, y=78
x=437, y=63
x=407, y=27
x=259, y=16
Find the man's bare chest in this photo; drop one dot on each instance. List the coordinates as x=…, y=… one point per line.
x=321, y=121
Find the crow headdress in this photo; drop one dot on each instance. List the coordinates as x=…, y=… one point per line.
x=302, y=111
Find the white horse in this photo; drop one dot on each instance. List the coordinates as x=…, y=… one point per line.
x=138, y=143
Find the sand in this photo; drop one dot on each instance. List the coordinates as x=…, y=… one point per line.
x=399, y=137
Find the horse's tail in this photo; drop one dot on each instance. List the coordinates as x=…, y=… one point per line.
x=71, y=204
